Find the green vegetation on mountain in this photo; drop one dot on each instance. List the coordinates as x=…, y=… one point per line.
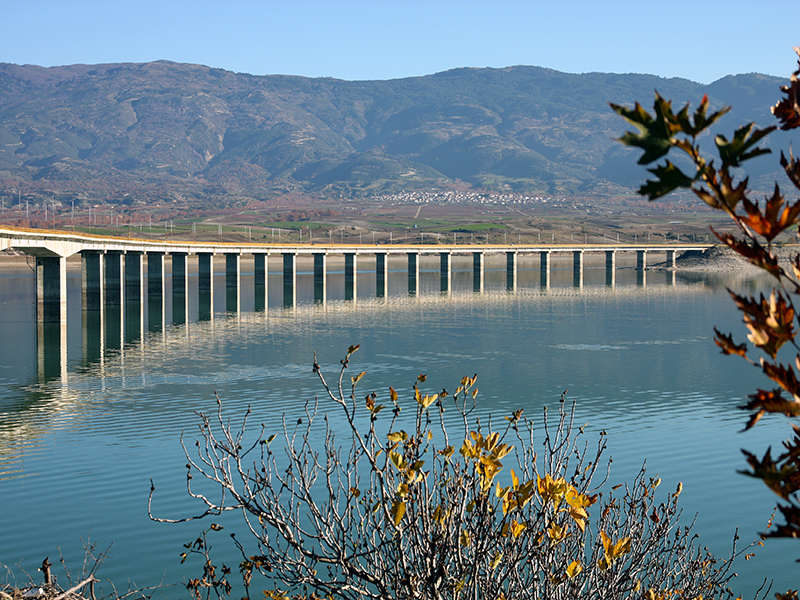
x=155, y=131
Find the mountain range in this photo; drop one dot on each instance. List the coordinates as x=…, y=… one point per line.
x=138, y=133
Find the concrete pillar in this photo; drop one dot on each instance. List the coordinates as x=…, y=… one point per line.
x=577, y=268
x=134, y=295
x=477, y=271
x=413, y=272
x=155, y=291
x=641, y=260
x=113, y=278
x=445, y=271
x=289, y=287
x=205, y=286
x=611, y=267
x=260, y=281
x=232, y=274
x=380, y=274
x=51, y=289
x=320, y=278
x=91, y=280
x=670, y=259
x=155, y=274
x=511, y=271
x=134, y=280
x=544, y=268
x=180, y=273
x=350, y=276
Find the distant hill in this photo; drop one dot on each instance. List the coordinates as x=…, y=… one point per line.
x=140, y=132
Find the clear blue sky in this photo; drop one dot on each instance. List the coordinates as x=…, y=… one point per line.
x=701, y=40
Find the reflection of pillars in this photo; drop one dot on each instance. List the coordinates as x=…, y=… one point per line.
x=91, y=280
x=51, y=351
x=446, y=276
x=134, y=295
x=260, y=281
x=155, y=291
x=577, y=268
x=670, y=277
x=670, y=259
x=289, y=287
x=92, y=330
x=611, y=265
x=180, y=285
x=380, y=274
x=511, y=271
x=232, y=272
x=320, y=278
x=350, y=276
x=544, y=269
x=113, y=327
x=641, y=260
x=413, y=272
x=641, y=278
x=477, y=271
x=113, y=278
x=51, y=289
x=205, y=286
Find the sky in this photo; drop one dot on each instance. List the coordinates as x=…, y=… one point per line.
x=700, y=40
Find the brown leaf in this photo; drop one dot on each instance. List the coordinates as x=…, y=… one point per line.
x=727, y=344
x=787, y=111
x=764, y=401
x=754, y=252
x=782, y=375
x=775, y=218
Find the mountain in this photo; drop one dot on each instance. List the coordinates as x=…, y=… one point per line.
x=163, y=130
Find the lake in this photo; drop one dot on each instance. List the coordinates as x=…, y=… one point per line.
x=83, y=431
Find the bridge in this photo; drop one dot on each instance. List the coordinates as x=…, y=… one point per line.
x=115, y=270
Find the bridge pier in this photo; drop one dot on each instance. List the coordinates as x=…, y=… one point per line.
x=205, y=286
x=155, y=274
x=134, y=294
x=380, y=274
x=180, y=285
x=641, y=260
x=445, y=273
x=114, y=280
x=289, y=288
x=577, y=268
x=611, y=265
x=511, y=271
x=232, y=275
x=51, y=289
x=260, y=281
x=477, y=271
x=670, y=259
x=91, y=280
x=320, y=278
x=413, y=272
x=350, y=276
x=544, y=269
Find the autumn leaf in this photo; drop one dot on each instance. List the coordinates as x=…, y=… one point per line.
x=764, y=401
x=398, y=510
x=356, y=379
x=787, y=111
x=727, y=344
x=574, y=568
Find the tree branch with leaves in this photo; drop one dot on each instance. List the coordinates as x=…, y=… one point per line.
x=772, y=322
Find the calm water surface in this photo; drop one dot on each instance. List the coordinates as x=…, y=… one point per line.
x=83, y=430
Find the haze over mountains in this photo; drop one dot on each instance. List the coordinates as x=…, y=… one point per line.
x=162, y=130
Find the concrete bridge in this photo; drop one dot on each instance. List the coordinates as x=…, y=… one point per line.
x=113, y=269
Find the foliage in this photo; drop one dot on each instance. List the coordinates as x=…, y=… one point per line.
x=772, y=321
x=424, y=500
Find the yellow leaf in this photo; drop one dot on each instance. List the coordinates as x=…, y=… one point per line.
x=216, y=527
x=496, y=561
x=357, y=377
x=355, y=492
x=398, y=510
x=427, y=400
x=574, y=568
x=398, y=460
x=397, y=436
x=430, y=436
x=393, y=395
x=464, y=538
x=352, y=349
x=517, y=528
x=514, y=480
x=422, y=378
